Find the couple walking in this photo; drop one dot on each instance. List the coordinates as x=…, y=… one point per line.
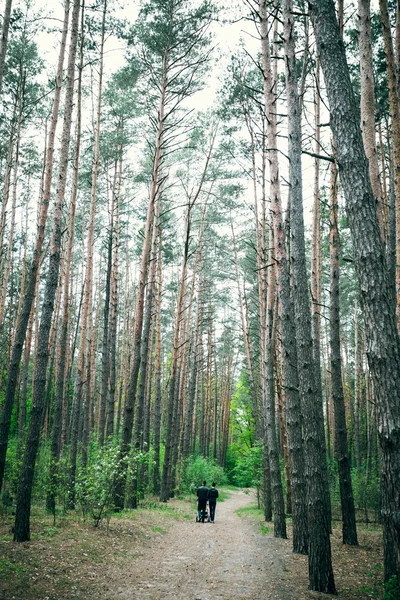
x=205, y=494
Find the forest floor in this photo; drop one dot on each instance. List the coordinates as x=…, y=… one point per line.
x=161, y=553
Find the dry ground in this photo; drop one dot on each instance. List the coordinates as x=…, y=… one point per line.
x=161, y=553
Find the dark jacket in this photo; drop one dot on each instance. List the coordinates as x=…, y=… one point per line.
x=202, y=492
x=212, y=495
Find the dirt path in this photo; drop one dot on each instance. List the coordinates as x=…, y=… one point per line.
x=161, y=553
x=227, y=560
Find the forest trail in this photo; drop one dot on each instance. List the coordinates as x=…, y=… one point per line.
x=227, y=560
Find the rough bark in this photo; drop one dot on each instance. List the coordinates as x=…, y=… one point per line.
x=320, y=561
x=383, y=345
x=22, y=514
x=367, y=105
x=293, y=410
x=157, y=383
x=393, y=86
x=55, y=448
x=349, y=530
x=20, y=333
x=271, y=441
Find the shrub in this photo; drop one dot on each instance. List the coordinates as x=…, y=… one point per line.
x=196, y=470
x=96, y=483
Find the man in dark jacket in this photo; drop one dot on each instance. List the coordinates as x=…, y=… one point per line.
x=212, y=501
x=202, y=496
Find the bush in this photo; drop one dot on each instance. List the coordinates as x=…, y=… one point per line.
x=96, y=483
x=392, y=589
x=196, y=470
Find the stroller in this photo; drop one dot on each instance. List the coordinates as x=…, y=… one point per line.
x=205, y=517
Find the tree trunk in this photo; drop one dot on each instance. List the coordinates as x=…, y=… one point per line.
x=383, y=345
x=20, y=334
x=119, y=493
x=349, y=530
x=87, y=297
x=174, y=378
x=146, y=347
x=320, y=562
x=22, y=515
x=269, y=411
x=367, y=105
x=114, y=311
x=316, y=246
x=55, y=449
x=157, y=381
x=293, y=410
x=393, y=86
x=4, y=38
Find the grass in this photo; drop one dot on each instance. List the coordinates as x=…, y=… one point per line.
x=265, y=529
x=159, y=530
x=224, y=493
x=16, y=572
x=251, y=511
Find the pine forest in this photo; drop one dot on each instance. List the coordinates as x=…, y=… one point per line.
x=200, y=282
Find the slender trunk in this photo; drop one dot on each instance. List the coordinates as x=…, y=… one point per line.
x=393, y=86
x=357, y=391
x=157, y=382
x=316, y=246
x=269, y=411
x=174, y=378
x=25, y=375
x=261, y=280
x=87, y=298
x=20, y=334
x=246, y=339
x=22, y=515
x=130, y=399
x=105, y=353
x=192, y=385
x=55, y=449
x=367, y=105
x=114, y=312
x=349, y=530
x=146, y=345
x=280, y=392
x=4, y=38
x=320, y=561
x=391, y=234
x=7, y=267
x=293, y=410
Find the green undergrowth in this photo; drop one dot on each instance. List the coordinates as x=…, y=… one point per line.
x=250, y=511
